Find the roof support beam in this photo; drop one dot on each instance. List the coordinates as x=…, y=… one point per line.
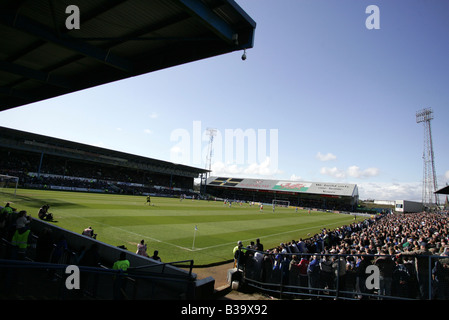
x=213, y=21
x=34, y=28
x=35, y=74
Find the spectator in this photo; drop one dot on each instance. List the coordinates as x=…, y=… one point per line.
x=22, y=220
x=361, y=266
x=258, y=246
x=327, y=273
x=142, y=248
x=122, y=263
x=20, y=243
x=441, y=276
x=239, y=256
x=302, y=266
x=400, y=279
x=339, y=266
x=89, y=232
x=294, y=271
x=155, y=256
x=386, y=266
x=313, y=272
x=43, y=213
x=422, y=268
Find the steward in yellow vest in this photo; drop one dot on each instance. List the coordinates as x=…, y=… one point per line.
x=20, y=241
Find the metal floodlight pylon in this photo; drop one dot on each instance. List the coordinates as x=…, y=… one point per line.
x=429, y=197
x=212, y=133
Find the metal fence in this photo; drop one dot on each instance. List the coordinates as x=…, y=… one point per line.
x=346, y=276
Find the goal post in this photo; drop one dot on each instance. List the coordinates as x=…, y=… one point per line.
x=7, y=181
x=281, y=203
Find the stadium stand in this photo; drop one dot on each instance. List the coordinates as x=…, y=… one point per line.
x=411, y=251
x=329, y=196
x=45, y=162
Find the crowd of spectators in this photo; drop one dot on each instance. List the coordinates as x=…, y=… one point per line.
x=407, y=249
x=70, y=174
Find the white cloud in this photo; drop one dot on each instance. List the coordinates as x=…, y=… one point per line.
x=333, y=172
x=147, y=131
x=446, y=175
x=325, y=157
x=390, y=191
x=352, y=171
x=355, y=172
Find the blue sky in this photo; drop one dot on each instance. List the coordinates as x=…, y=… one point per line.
x=341, y=98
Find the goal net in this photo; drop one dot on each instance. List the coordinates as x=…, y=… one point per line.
x=281, y=203
x=7, y=181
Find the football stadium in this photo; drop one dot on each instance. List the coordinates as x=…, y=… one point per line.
x=80, y=222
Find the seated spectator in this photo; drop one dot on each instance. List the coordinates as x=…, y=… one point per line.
x=23, y=220
x=89, y=232
x=142, y=248
x=155, y=256
x=43, y=213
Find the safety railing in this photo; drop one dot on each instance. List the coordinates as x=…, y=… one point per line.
x=346, y=276
x=22, y=277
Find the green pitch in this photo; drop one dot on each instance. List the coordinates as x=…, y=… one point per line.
x=205, y=231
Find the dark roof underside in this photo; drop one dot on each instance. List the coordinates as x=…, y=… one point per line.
x=444, y=190
x=40, y=58
x=26, y=141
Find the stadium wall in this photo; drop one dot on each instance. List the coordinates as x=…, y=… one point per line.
x=199, y=289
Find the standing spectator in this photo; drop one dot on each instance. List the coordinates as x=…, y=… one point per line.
x=89, y=281
x=441, y=275
x=238, y=254
x=339, y=265
x=422, y=268
x=258, y=246
x=303, y=277
x=386, y=265
x=400, y=279
x=313, y=272
x=361, y=266
x=294, y=271
x=327, y=273
x=20, y=243
x=122, y=263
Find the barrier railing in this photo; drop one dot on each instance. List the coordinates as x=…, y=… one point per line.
x=21, y=276
x=351, y=276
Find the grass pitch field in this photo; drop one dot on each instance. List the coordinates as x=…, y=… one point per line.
x=168, y=225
